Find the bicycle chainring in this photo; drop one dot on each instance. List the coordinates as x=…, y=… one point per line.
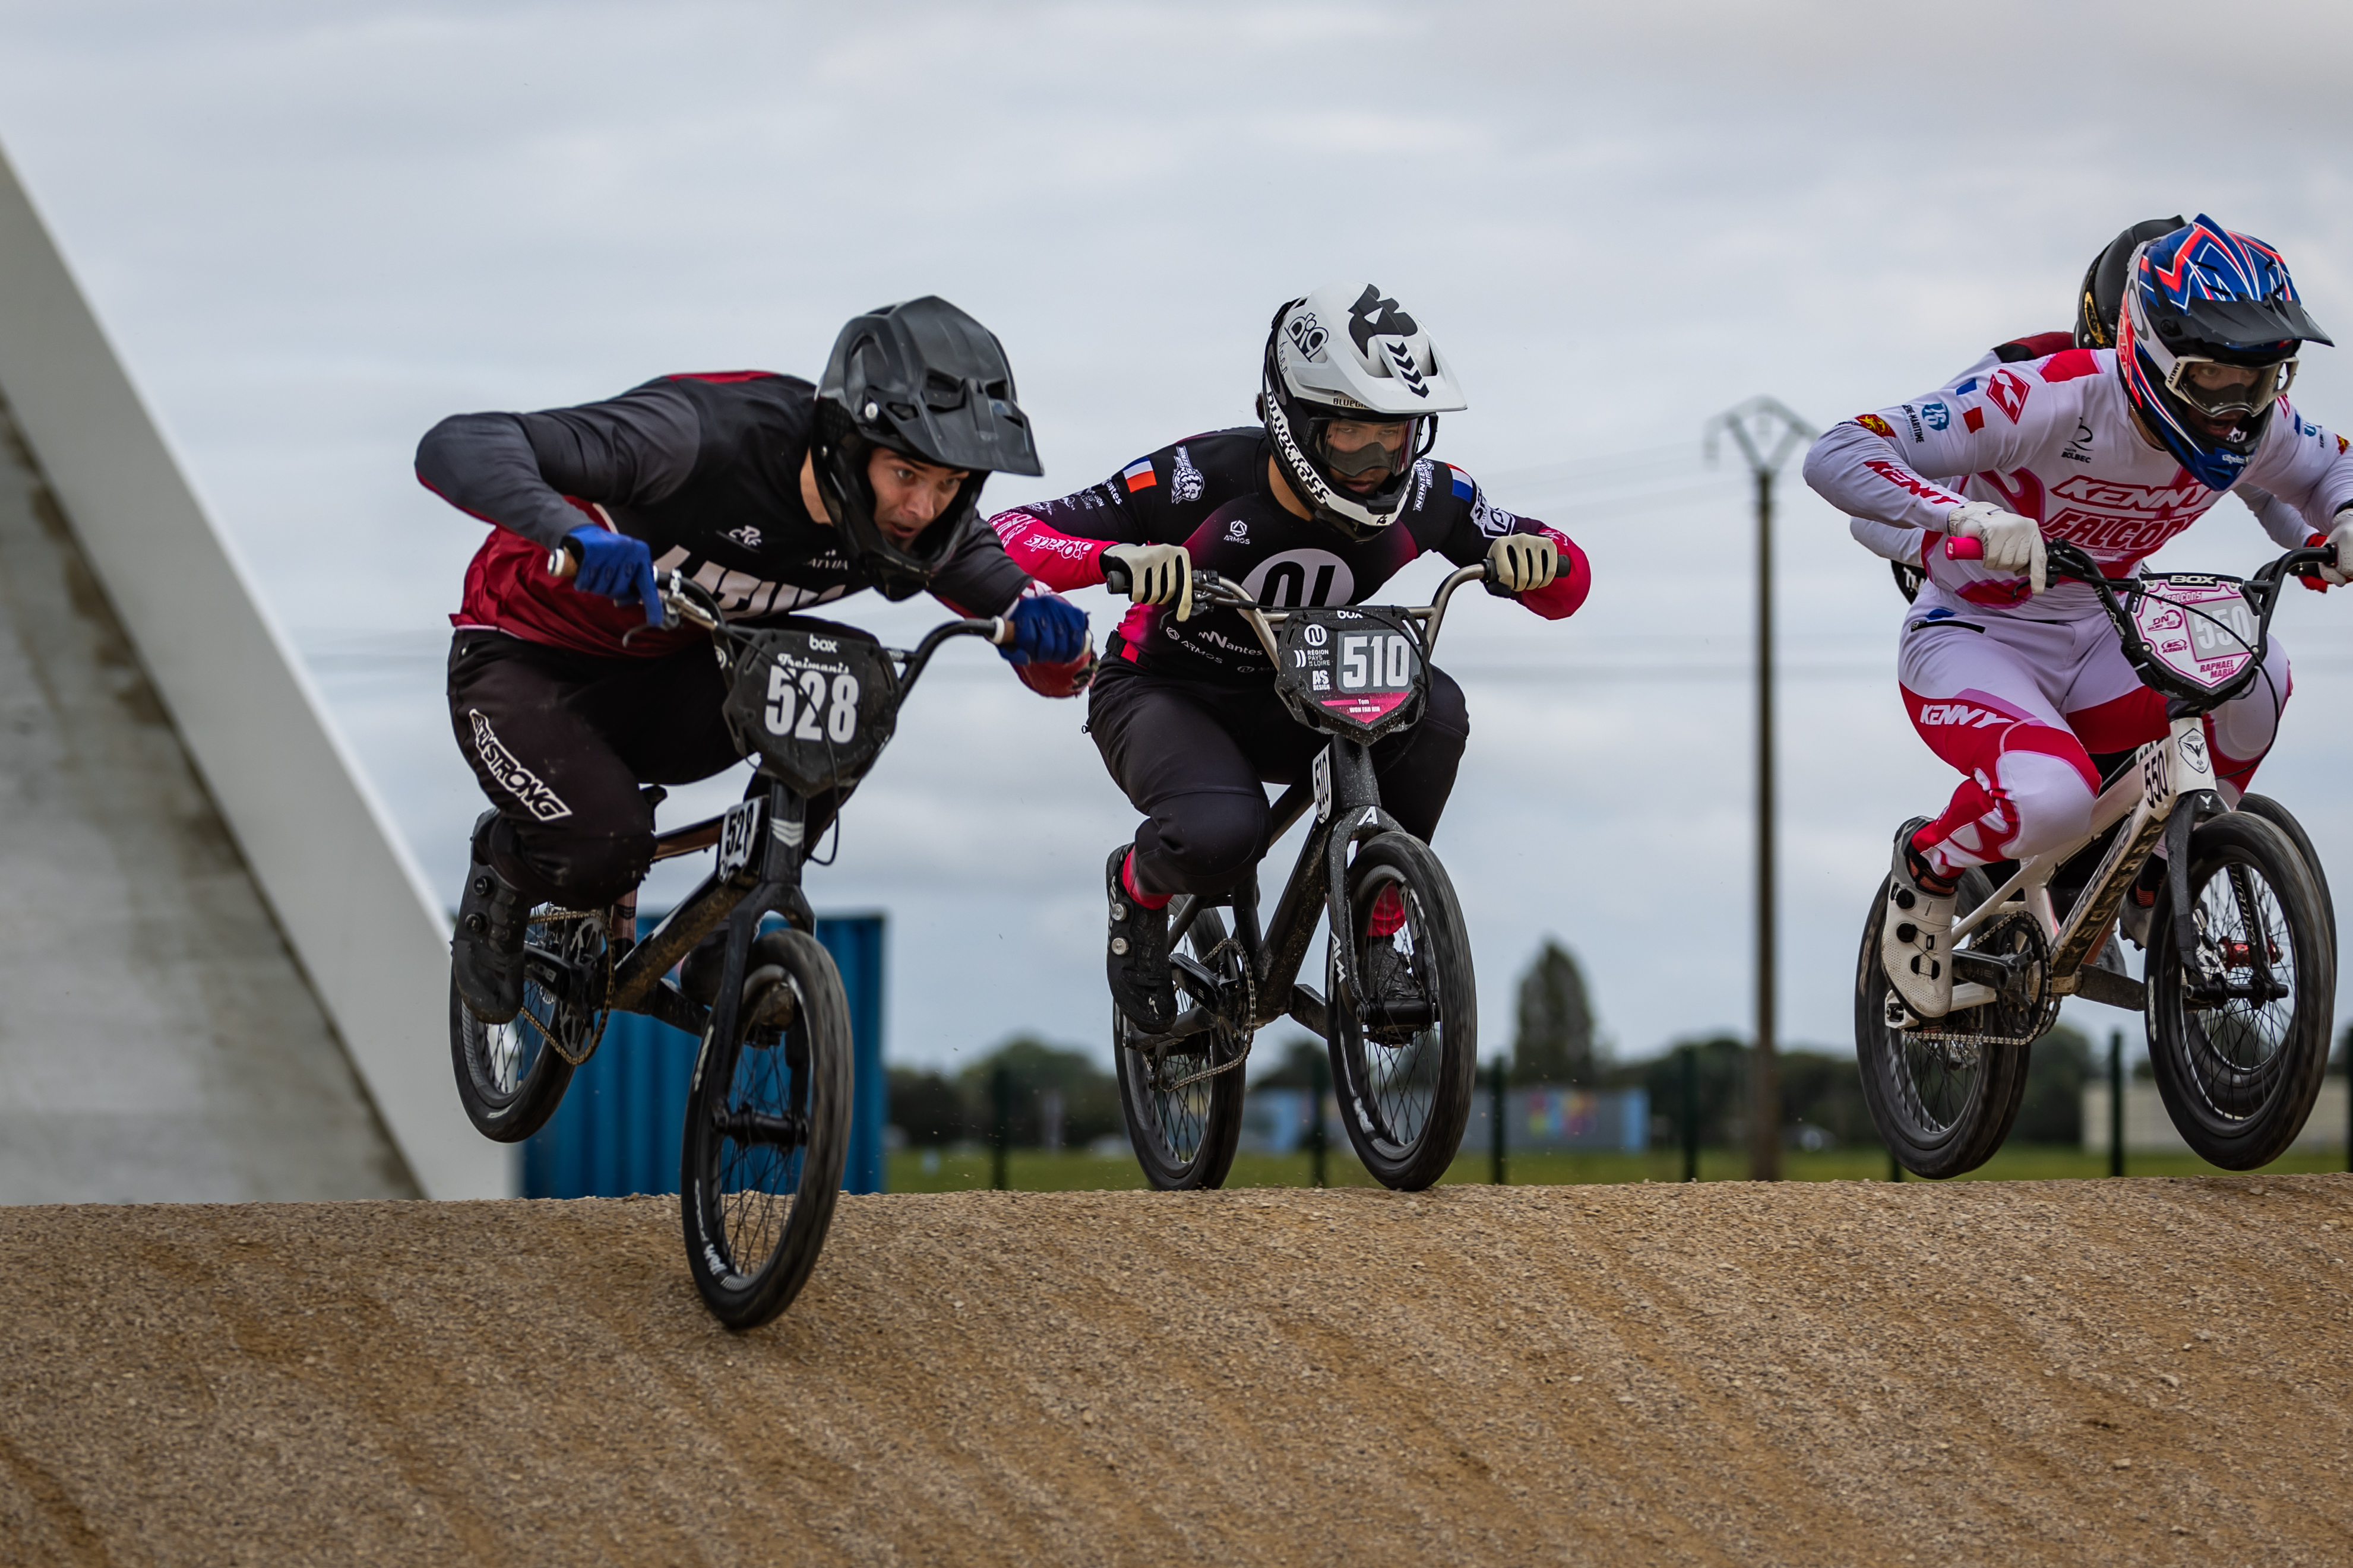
x=2024, y=1011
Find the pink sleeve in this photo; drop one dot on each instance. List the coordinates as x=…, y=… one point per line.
x=1559, y=599
x=1054, y=558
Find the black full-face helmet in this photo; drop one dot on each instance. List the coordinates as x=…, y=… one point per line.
x=920, y=378
x=2101, y=300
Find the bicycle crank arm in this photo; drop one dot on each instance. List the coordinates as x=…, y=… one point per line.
x=1190, y=1021
x=1984, y=968
x=560, y=978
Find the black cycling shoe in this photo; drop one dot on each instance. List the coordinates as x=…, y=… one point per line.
x=486, y=950
x=1137, y=959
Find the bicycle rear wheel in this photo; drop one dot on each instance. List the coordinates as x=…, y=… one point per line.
x=767, y=1127
x=1942, y=1107
x=1182, y=1104
x=1404, y=1014
x=512, y=1076
x=2239, y=1051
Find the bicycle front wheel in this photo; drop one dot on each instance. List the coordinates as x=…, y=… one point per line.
x=1404, y=1014
x=767, y=1127
x=1183, y=1102
x=2239, y=1046
x=512, y=1076
x=1943, y=1107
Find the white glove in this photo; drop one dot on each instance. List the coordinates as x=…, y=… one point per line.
x=1523, y=561
x=2012, y=543
x=2341, y=536
x=1156, y=574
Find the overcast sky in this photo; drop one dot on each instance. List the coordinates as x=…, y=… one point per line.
x=313, y=229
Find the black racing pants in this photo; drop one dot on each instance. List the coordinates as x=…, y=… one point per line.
x=1194, y=758
x=561, y=742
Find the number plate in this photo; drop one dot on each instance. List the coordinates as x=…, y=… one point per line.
x=739, y=835
x=814, y=709
x=2202, y=628
x=1353, y=671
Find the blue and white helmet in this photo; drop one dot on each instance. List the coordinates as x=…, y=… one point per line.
x=1349, y=353
x=2206, y=344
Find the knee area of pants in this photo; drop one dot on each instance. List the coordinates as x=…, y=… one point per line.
x=595, y=870
x=2051, y=801
x=1213, y=841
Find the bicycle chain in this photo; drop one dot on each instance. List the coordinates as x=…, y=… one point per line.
x=1250, y=1012
x=604, y=1014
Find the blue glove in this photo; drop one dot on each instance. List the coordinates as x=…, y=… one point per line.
x=620, y=567
x=1047, y=628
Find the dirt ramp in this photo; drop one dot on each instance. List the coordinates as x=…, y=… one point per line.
x=2055, y=1372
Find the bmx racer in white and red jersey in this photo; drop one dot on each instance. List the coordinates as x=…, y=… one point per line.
x=1321, y=503
x=2012, y=681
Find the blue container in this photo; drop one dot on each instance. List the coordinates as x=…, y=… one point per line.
x=618, y=1131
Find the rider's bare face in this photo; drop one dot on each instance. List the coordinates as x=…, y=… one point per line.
x=909, y=493
x=1348, y=443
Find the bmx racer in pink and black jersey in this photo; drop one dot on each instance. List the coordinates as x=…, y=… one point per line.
x=2013, y=680
x=1322, y=502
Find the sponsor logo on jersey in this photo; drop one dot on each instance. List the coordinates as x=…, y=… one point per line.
x=1894, y=475
x=514, y=778
x=1139, y=475
x=740, y=593
x=1973, y=419
x=1237, y=531
x=1937, y=416
x=747, y=536
x=1184, y=481
x=1291, y=578
x=2079, y=447
x=1876, y=425
x=1914, y=416
x=2341, y=446
x=2007, y=390
x=1964, y=714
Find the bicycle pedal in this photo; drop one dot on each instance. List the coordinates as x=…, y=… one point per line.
x=1897, y=1016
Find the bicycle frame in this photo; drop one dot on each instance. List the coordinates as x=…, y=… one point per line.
x=2168, y=789
x=762, y=845
x=1346, y=795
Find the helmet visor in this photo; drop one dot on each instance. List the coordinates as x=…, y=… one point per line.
x=1359, y=451
x=2219, y=389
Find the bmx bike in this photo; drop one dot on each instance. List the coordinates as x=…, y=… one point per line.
x=2240, y=974
x=1401, y=1020
x=767, y=1115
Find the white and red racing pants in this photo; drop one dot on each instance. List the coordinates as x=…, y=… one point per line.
x=2018, y=706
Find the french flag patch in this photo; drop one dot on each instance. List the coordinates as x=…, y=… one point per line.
x=1463, y=485
x=1139, y=475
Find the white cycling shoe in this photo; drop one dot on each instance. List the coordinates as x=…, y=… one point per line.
x=1914, y=936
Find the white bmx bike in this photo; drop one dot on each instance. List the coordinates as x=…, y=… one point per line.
x=2240, y=979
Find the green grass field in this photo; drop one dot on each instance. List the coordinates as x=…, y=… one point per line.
x=1034, y=1169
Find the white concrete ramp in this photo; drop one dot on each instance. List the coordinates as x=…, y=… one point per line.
x=184, y=844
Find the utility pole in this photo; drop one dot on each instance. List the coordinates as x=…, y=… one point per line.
x=1768, y=433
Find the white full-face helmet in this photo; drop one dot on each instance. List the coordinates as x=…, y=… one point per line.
x=1347, y=354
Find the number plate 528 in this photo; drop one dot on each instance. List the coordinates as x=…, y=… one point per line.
x=808, y=706
x=739, y=834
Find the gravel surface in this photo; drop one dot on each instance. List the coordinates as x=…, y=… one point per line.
x=2069, y=1372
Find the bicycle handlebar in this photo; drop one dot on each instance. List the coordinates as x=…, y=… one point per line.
x=1228, y=595
x=1963, y=547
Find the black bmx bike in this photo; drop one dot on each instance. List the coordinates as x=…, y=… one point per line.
x=767, y=1115
x=1399, y=1016
x=2240, y=974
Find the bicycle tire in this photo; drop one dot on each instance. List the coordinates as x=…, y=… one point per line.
x=2240, y=1079
x=755, y=1212
x=1942, y=1109
x=511, y=1076
x=1185, y=1138
x=1405, y=1088
x=2279, y=817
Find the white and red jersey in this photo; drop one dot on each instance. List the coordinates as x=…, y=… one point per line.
x=2054, y=439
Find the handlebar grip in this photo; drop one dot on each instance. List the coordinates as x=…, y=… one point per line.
x=563, y=561
x=1116, y=577
x=1961, y=547
x=1000, y=630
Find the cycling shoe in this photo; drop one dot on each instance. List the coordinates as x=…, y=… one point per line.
x=486, y=950
x=1913, y=934
x=1137, y=960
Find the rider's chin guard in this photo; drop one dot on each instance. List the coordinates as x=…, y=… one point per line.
x=815, y=708
x=1354, y=672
